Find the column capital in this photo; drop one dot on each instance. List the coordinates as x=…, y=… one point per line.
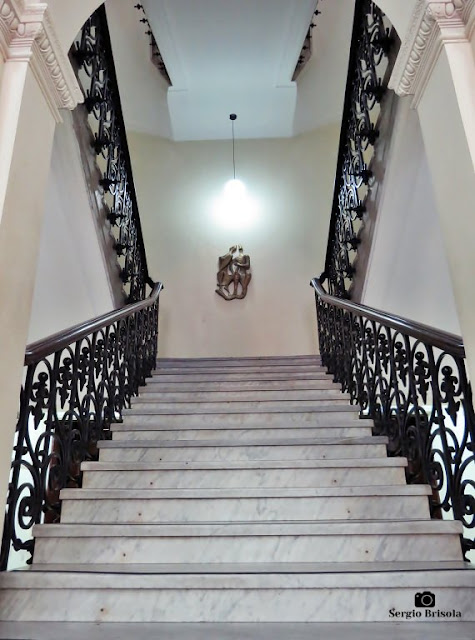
x=27, y=34
x=433, y=25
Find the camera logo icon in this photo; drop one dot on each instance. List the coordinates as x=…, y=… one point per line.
x=425, y=599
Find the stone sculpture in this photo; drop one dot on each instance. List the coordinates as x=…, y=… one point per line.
x=233, y=270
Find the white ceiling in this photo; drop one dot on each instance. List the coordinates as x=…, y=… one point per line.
x=226, y=56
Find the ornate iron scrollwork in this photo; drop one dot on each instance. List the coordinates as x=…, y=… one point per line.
x=418, y=395
x=68, y=401
x=155, y=53
x=92, y=52
x=307, y=47
x=366, y=86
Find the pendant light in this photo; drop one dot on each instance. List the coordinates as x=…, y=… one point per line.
x=234, y=187
x=233, y=118
x=235, y=208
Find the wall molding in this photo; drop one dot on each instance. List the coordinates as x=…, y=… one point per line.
x=27, y=34
x=433, y=25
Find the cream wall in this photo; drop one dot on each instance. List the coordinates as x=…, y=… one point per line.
x=408, y=272
x=292, y=183
x=71, y=282
x=449, y=153
x=25, y=153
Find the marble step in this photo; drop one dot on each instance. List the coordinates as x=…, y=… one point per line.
x=265, y=474
x=239, y=362
x=126, y=432
x=203, y=598
x=224, y=450
x=242, y=395
x=288, y=370
x=350, y=541
x=238, y=406
x=213, y=408
x=163, y=376
x=339, y=416
x=236, y=631
x=258, y=568
x=136, y=506
x=243, y=386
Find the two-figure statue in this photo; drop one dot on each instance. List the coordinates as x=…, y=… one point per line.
x=234, y=270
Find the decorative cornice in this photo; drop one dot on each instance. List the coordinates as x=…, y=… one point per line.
x=28, y=34
x=53, y=69
x=433, y=24
x=9, y=23
x=19, y=26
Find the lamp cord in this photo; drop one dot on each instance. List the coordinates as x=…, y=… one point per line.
x=234, y=162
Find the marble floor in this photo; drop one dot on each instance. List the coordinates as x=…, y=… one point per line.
x=334, y=631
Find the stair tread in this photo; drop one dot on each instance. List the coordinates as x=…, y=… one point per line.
x=275, y=442
x=237, y=631
x=252, y=387
x=288, y=370
x=360, y=463
x=181, y=389
x=238, y=406
x=248, y=578
x=184, y=410
x=305, y=356
x=124, y=426
x=320, y=393
x=287, y=367
x=240, y=362
x=237, y=377
x=246, y=364
x=250, y=528
x=335, y=396
x=258, y=568
x=241, y=493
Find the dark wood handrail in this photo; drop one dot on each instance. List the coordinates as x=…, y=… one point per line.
x=42, y=348
x=444, y=340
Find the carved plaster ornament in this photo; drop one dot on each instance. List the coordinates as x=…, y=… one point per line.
x=233, y=271
x=433, y=24
x=27, y=34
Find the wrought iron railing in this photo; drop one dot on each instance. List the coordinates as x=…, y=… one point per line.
x=411, y=380
x=155, y=53
x=368, y=74
x=92, y=53
x=76, y=384
x=307, y=47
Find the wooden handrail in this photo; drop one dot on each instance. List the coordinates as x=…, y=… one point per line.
x=444, y=340
x=42, y=348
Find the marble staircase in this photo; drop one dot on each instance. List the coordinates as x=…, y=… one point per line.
x=242, y=491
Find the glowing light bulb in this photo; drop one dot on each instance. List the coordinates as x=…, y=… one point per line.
x=234, y=189
x=235, y=208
